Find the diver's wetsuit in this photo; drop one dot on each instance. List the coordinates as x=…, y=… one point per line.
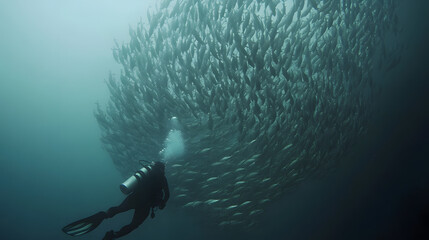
x=149, y=195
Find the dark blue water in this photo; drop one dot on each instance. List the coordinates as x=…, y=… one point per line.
x=54, y=58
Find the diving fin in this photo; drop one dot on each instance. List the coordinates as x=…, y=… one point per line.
x=85, y=225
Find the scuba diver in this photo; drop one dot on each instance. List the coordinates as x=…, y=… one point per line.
x=147, y=189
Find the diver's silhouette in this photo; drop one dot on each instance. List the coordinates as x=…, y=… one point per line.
x=149, y=188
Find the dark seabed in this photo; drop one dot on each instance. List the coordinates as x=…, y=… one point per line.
x=54, y=60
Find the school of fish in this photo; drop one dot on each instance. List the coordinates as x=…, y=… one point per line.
x=268, y=92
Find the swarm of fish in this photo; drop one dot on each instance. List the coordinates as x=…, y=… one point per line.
x=268, y=93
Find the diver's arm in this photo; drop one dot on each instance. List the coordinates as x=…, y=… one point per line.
x=166, y=190
x=166, y=193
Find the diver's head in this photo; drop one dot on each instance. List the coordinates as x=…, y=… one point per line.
x=158, y=166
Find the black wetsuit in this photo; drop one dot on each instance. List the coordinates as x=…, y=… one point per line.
x=152, y=193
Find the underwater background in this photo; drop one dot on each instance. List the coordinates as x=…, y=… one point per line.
x=55, y=57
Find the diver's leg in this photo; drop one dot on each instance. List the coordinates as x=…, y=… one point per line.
x=127, y=204
x=140, y=215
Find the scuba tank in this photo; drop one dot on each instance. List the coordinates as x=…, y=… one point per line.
x=133, y=182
